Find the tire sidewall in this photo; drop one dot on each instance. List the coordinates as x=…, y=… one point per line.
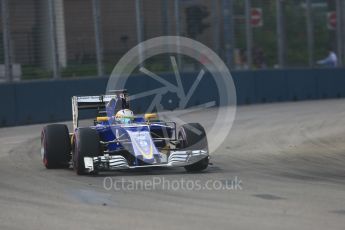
x=55, y=146
x=78, y=159
x=190, y=142
x=79, y=151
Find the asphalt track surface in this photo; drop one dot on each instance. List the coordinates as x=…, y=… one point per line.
x=289, y=158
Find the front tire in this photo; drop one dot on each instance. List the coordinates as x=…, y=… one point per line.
x=192, y=136
x=55, y=146
x=86, y=144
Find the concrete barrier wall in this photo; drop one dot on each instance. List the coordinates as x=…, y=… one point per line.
x=49, y=101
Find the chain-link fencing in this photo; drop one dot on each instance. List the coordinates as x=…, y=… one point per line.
x=44, y=39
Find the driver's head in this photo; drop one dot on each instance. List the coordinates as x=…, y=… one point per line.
x=124, y=116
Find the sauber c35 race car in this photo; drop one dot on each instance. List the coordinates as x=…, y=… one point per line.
x=118, y=140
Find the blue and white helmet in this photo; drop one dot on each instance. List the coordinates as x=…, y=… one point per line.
x=124, y=116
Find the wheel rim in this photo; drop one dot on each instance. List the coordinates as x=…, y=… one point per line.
x=75, y=155
x=43, y=154
x=45, y=161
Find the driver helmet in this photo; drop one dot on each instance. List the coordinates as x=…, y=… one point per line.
x=124, y=116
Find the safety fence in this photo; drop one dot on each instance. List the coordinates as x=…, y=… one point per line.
x=42, y=39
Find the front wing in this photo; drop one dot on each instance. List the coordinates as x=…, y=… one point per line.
x=117, y=162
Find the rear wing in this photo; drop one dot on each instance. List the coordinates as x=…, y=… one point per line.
x=98, y=102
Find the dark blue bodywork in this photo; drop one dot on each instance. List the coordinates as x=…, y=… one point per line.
x=141, y=139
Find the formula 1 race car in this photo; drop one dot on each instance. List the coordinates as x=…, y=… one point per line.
x=119, y=140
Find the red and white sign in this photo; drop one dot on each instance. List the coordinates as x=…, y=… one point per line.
x=256, y=17
x=332, y=20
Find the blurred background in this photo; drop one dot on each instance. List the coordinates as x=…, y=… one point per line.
x=50, y=39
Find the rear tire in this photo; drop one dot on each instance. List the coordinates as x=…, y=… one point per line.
x=55, y=146
x=86, y=144
x=192, y=136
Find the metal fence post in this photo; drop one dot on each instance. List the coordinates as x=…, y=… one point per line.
x=280, y=33
x=98, y=37
x=6, y=40
x=53, y=42
x=166, y=30
x=140, y=29
x=215, y=25
x=249, y=34
x=339, y=31
x=165, y=18
x=228, y=31
x=310, y=32
x=342, y=9
x=178, y=31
